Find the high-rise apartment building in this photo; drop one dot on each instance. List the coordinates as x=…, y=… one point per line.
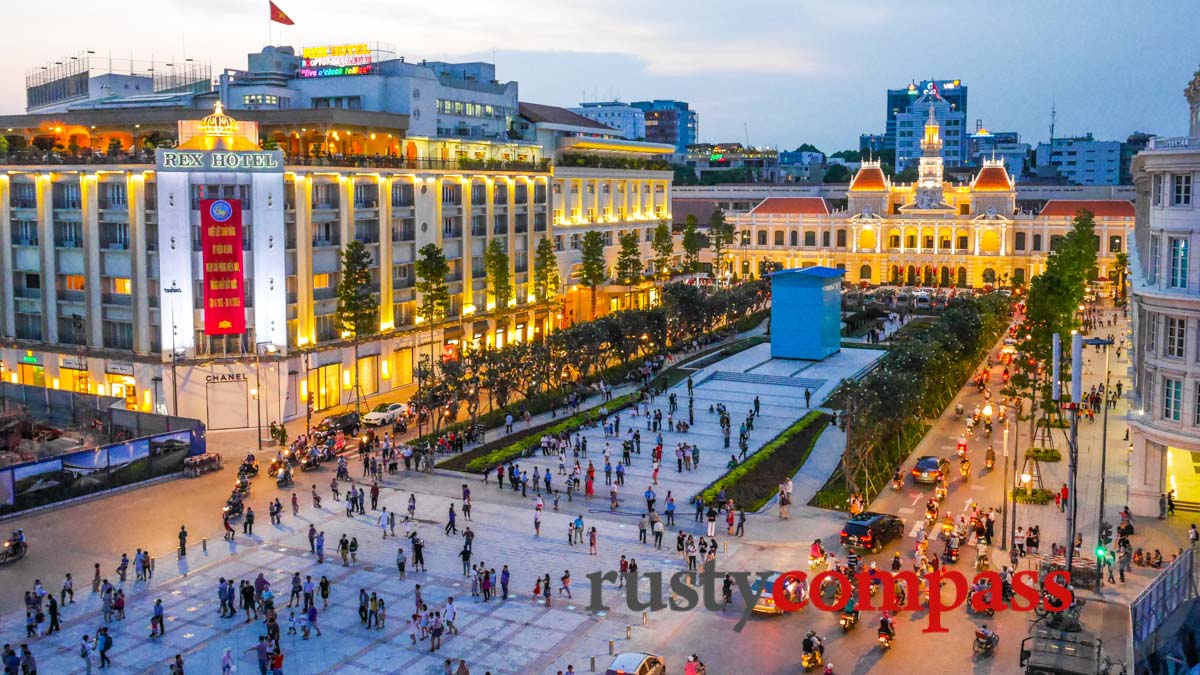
x=670, y=122
x=628, y=121
x=900, y=100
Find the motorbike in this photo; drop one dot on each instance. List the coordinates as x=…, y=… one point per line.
x=939, y=492
x=233, y=507
x=930, y=518
x=987, y=430
x=248, y=468
x=814, y=563
x=811, y=660
x=277, y=465
x=15, y=548
x=961, y=447
x=985, y=644
x=309, y=461
x=885, y=641
x=242, y=486
x=848, y=621
x=965, y=470
x=897, y=482
x=950, y=556
x=958, y=411
x=990, y=459
x=971, y=607
x=284, y=479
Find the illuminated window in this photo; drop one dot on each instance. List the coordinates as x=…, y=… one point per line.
x=320, y=281
x=121, y=286
x=73, y=282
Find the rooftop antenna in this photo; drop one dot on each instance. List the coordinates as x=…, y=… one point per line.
x=1053, y=114
x=746, y=128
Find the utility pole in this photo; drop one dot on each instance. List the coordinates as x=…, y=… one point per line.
x=1007, y=492
x=1101, y=545
x=1073, y=445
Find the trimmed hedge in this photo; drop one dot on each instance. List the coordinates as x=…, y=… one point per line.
x=755, y=481
x=1038, y=496
x=1044, y=454
x=750, y=321
x=476, y=461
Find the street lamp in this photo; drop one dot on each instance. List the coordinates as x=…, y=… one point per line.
x=259, y=347
x=1098, y=342
x=1004, y=484
x=1026, y=480
x=175, y=354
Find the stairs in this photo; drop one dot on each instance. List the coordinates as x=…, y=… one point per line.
x=769, y=380
x=1190, y=507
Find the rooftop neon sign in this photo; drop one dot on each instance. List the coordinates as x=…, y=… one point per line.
x=336, y=71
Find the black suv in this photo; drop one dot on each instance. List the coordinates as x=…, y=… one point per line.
x=870, y=531
x=346, y=423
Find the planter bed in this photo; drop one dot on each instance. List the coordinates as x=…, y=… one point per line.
x=756, y=481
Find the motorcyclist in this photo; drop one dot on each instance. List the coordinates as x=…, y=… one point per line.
x=958, y=409
x=851, y=607
x=962, y=445
x=897, y=480
x=931, y=509
x=816, y=551
x=813, y=644
x=17, y=541
x=991, y=455
x=965, y=468
x=886, y=627
x=986, y=635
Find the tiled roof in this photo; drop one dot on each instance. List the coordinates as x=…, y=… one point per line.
x=549, y=114
x=791, y=205
x=1102, y=208
x=869, y=178
x=992, y=179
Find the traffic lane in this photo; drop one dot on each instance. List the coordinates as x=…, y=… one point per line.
x=772, y=644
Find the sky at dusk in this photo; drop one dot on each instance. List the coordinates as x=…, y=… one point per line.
x=785, y=71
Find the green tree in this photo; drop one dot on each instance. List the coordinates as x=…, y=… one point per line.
x=357, y=304
x=1121, y=271
x=720, y=237
x=907, y=175
x=664, y=247
x=807, y=147
x=837, y=173
x=848, y=155
x=495, y=263
x=693, y=241
x=546, y=280
x=593, y=269
x=629, y=259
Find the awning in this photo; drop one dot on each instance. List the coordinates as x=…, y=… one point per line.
x=480, y=326
x=452, y=332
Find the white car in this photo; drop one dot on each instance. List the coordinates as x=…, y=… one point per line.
x=384, y=413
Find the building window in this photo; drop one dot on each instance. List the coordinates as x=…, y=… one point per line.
x=1181, y=189
x=1019, y=241
x=1151, y=332
x=74, y=282
x=1037, y=242
x=1196, y=406
x=762, y=238
x=1156, y=190
x=841, y=239
x=795, y=238
x=1176, y=335
x=320, y=281
x=779, y=238
x=122, y=286
x=402, y=194
x=1172, y=398
x=810, y=238
x=451, y=193
x=1154, y=260
x=1114, y=244
x=1179, y=263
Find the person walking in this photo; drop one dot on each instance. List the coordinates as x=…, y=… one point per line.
x=566, y=583
x=384, y=519
x=86, y=649
x=451, y=527
x=741, y=523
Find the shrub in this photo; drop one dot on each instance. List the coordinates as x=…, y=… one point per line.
x=1044, y=454
x=478, y=462
x=1036, y=496
x=755, y=481
x=750, y=321
x=834, y=497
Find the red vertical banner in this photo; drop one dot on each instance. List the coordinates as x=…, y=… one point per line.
x=221, y=255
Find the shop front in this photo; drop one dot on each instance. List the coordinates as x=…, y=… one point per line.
x=31, y=371
x=73, y=374
x=324, y=386
x=1183, y=474
x=120, y=383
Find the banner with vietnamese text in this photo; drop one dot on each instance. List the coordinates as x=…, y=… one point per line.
x=221, y=255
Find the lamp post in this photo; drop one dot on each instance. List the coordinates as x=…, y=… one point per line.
x=255, y=393
x=1007, y=496
x=1098, y=342
x=175, y=354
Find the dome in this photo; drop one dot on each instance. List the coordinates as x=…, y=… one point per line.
x=218, y=123
x=869, y=178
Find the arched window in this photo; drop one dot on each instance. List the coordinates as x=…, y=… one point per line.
x=779, y=237
x=762, y=237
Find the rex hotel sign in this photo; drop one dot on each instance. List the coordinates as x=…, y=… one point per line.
x=268, y=161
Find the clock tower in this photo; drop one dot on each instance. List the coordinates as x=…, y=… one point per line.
x=930, y=170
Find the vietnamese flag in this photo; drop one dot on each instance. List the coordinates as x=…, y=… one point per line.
x=278, y=16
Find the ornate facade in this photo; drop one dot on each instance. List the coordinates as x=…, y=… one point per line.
x=931, y=232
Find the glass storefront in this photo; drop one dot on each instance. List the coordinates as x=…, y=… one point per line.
x=1183, y=474
x=74, y=380
x=402, y=367
x=123, y=386
x=368, y=374
x=33, y=375
x=324, y=384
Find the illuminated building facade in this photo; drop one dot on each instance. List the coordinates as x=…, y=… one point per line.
x=199, y=278
x=1164, y=442
x=929, y=233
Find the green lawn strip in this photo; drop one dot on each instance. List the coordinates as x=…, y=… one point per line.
x=482, y=459
x=755, y=481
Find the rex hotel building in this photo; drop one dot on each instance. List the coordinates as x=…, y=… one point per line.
x=178, y=244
